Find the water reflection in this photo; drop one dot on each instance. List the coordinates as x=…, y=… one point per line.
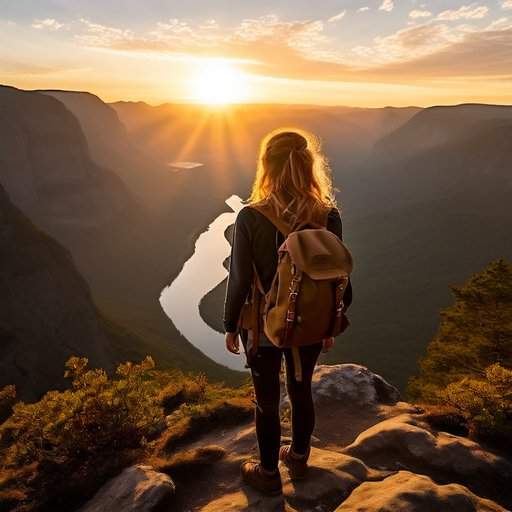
x=200, y=274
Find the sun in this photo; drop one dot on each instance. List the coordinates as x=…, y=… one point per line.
x=218, y=82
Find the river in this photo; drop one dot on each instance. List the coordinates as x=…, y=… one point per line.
x=202, y=272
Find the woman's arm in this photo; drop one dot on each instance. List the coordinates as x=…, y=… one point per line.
x=240, y=271
x=335, y=225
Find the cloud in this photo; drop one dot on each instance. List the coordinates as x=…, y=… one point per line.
x=301, y=49
x=337, y=17
x=251, y=35
x=363, y=9
x=387, y=5
x=477, y=54
x=48, y=24
x=467, y=12
x=499, y=24
x=407, y=44
x=507, y=4
x=419, y=14
x=103, y=36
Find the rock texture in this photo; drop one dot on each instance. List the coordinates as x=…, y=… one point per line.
x=397, y=463
x=331, y=478
x=408, y=492
x=406, y=442
x=354, y=383
x=137, y=489
x=348, y=385
x=392, y=438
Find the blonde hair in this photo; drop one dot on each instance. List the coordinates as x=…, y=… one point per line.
x=293, y=176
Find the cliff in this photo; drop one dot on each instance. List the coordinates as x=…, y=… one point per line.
x=47, y=312
x=125, y=252
x=47, y=170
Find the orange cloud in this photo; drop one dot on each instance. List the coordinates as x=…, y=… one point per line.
x=300, y=49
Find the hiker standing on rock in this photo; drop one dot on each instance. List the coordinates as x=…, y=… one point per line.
x=287, y=293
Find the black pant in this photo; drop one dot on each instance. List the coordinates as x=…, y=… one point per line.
x=265, y=369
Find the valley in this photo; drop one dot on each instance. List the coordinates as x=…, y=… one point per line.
x=423, y=194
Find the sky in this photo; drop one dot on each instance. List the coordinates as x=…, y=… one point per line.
x=338, y=52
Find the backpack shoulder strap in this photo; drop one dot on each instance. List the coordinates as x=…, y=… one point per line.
x=280, y=224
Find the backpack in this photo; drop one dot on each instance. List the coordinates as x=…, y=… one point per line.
x=305, y=301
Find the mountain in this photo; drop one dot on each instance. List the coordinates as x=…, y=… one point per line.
x=126, y=252
x=436, y=126
x=227, y=140
x=424, y=196
x=417, y=225
x=46, y=168
x=111, y=146
x=425, y=223
x=47, y=312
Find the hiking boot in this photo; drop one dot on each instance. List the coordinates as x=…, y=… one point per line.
x=297, y=464
x=254, y=475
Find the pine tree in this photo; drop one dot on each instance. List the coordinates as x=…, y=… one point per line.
x=474, y=333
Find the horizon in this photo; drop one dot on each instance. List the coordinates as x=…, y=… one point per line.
x=339, y=53
x=227, y=106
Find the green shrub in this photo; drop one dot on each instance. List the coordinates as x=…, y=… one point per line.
x=185, y=391
x=92, y=430
x=474, y=333
x=98, y=413
x=485, y=403
x=84, y=431
x=468, y=363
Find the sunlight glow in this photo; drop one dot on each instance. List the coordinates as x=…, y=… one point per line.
x=218, y=82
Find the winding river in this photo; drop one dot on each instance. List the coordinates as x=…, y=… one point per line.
x=202, y=272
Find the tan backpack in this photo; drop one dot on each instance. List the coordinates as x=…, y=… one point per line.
x=305, y=302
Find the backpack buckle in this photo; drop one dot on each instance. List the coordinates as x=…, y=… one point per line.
x=339, y=309
x=290, y=316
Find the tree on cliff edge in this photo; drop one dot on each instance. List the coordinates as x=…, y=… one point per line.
x=475, y=333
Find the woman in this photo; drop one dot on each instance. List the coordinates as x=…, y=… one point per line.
x=294, y=179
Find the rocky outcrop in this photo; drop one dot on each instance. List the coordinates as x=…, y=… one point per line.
x=331, y=478
x=392, y=438
x=137, y=489
x=406, y=442
x=353, y=383
x=397, y=463
x=408, y=492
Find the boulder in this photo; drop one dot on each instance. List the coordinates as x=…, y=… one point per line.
x=408, y=492
x=352, y=383
x=137, y=489
x=247, y=501
x=331, y=478
x=404, y=442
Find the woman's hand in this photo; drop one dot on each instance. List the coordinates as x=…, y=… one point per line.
x=328, y=343
x=233, y=342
